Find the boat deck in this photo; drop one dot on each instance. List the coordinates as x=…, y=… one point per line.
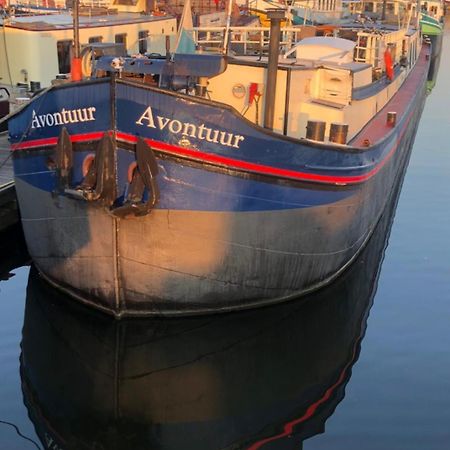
x=377, y=128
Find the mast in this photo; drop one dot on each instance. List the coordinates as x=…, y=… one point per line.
x=227, y=28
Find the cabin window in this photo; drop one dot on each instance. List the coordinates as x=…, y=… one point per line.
x=121, y=39
x=94, y=39
x=64, y=49
x=368, y=7
x=142, y=39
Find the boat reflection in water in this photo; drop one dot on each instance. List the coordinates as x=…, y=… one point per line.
x=436, y=45
x=266, y=378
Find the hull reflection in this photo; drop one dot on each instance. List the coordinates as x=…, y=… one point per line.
x=266, y=378
x=13, y=251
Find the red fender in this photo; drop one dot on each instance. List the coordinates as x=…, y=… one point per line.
x=389, y=65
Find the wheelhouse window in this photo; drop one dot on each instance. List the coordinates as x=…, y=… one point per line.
x=121, y=39
x=64, y=49
x=142, y=37
x=94, y=39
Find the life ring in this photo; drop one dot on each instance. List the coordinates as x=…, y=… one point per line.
x=86, y=62
x=388, y=64
x=131, y=169
x=88, y=161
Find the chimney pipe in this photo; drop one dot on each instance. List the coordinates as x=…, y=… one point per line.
x=275, y=15
x=75, y=68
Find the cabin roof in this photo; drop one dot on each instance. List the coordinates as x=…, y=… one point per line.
x=48, y=22
x=299, y=64
x=330, y=42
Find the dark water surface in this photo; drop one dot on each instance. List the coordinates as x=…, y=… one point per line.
x=365, y=365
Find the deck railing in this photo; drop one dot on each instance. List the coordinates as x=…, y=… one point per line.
x=250, y=40
x=40, y=4
x=370, y=48
x=58, y=4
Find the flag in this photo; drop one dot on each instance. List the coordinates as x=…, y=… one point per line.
x=185, y=43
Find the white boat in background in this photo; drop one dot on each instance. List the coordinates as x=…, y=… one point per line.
x=299, y=12
x=36, y=49
x=433, y=8
x=432, y=17
x=317, y=12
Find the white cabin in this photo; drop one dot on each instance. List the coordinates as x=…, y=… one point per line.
x=319, y=79
x=38, y=47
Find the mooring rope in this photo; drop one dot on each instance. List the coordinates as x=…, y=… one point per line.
x=6, y=160
x=20, y=434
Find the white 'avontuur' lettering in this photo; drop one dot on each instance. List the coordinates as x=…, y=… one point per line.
x=201, y=132
x=62, y=117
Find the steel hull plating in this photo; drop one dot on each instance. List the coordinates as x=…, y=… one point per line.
x=190, y=383
x=221, y=237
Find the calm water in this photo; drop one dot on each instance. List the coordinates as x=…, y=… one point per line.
x=366, y=365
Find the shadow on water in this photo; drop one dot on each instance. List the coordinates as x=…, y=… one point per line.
x=266, y=378
x=436, y=43
x=13, y=251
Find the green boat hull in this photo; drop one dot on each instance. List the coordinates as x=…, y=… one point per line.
x=430, y=26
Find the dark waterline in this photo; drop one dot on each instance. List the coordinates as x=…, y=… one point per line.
x=388, y=382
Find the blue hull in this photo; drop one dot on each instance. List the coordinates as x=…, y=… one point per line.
x=245, y=217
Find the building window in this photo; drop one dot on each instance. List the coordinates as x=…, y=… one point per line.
x=121, y=39
x=94, y=39
x=142, y=37
x=125, y=2
x=64, y=49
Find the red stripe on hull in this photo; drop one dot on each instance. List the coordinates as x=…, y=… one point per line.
x=231, y=163
x=54, y=140
x=374, y=131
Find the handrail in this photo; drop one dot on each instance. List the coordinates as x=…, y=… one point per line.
x=248, y=37
x=370, y=47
